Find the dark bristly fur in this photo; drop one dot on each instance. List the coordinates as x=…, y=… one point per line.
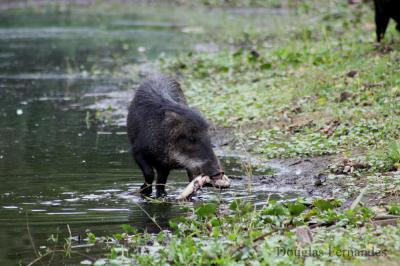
x=384, y=11
x=165, y=134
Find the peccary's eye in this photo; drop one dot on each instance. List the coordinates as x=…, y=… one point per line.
x=192, y=139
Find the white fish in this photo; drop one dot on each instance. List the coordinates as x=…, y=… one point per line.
x=200, y=181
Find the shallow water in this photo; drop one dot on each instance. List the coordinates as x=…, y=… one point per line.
x=56, y=166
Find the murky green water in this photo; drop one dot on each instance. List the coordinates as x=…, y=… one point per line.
x=55, y=169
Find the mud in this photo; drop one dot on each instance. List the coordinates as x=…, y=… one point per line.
x=304, y=175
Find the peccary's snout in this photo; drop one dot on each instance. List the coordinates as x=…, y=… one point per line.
x=212, y=168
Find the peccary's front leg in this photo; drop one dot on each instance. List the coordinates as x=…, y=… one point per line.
x=148, y=174
x=189, y=175
x=162, y=175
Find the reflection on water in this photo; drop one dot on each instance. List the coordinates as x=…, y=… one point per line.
x=54, y=170
x=55, y=167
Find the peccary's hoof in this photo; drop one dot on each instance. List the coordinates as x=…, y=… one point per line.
x=146, y=190
x=161, y=193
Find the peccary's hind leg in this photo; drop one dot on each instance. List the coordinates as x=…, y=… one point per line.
x=148, y=174
x=162, y=175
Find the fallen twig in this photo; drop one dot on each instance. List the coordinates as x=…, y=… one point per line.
x=386, y=222
x=386, y=217
x=358, y=199
x=30, y=236
x=148, y=215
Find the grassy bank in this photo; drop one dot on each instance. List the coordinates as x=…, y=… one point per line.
x=316, y=232
x=321, y=88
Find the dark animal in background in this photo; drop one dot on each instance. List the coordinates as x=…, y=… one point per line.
x=384, y=10
x=165, y=134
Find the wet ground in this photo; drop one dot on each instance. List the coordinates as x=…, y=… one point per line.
x=57, y=165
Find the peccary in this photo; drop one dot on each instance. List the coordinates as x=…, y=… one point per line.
x=165, y=134
x=384, y=10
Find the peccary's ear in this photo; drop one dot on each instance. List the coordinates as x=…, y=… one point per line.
x=205, y=124
x=172, y=118
x=173, y=124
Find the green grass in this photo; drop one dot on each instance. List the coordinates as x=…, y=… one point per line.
x=287, y=94
x=269, y=235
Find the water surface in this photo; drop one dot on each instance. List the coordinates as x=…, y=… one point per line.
x=57, y=166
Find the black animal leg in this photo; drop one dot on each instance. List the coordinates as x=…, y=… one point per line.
x=381, y=21
x=148, y=173
x=189, y=175
x=162, y=175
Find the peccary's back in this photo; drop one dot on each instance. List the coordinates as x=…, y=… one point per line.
x=152, y=98
x=159, y=90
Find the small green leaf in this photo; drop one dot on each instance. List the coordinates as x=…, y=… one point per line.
x=394, y=209
x=215, y=222
x=296, y=208
x=266, y=66
x=128, y=229
x=234, y=206
x=118, y=237
x=276, y=209
x=323, y=205
x=113, y=254
x=92, y=238
x=173, y=223
x=206, y=210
